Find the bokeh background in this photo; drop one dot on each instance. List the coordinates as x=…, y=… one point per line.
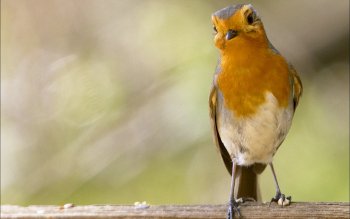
x=107, y=101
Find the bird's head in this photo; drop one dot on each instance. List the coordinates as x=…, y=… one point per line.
x=237, y=23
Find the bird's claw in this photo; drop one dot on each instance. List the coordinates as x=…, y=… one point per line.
x=281, y=199
x=232, y=208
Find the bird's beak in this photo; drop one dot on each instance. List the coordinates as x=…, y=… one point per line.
x=231, y=34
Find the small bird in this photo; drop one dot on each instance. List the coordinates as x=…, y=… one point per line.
x=252, y=101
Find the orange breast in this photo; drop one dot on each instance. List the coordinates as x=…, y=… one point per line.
x=247, y=75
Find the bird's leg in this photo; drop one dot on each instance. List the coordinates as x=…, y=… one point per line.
x=233, y=204
x=280, y=198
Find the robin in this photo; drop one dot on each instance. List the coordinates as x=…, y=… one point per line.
x=252, y=101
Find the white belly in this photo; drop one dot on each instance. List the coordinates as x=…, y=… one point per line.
x=254, y=139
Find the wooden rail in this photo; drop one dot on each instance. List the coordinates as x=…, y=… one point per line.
x=248, y=210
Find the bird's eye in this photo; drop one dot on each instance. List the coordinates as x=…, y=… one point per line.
x=250, y=18
x=215, y=30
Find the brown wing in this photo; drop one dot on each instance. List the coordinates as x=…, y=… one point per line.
x=212, y=109
x=297, y=86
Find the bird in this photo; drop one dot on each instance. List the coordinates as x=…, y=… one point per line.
x=253, y=97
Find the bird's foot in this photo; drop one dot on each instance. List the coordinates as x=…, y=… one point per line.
x=281, y=199
x=233, y=207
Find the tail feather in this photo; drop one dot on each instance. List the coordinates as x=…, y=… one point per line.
x=246, y=182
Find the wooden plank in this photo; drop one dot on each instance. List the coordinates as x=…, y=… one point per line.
x=248, y=210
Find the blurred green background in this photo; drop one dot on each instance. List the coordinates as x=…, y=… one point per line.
x=107, y=101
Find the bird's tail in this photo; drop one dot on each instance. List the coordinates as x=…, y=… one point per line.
x=246, y=181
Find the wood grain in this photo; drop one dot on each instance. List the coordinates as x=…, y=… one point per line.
x=248, y=210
